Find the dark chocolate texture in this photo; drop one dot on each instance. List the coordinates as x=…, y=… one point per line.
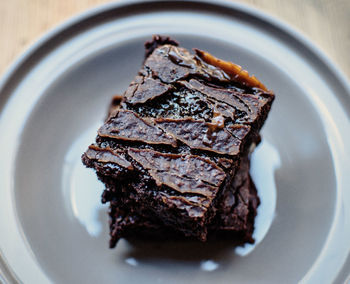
x=173, y=143
x=204, y=136
x=127, y=125
x=234, y=218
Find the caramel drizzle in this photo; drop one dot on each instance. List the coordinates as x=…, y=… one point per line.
x=235, y=71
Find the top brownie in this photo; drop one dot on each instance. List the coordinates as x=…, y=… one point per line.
x=174, y=141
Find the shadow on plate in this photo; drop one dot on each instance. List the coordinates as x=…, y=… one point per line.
x=180, y=250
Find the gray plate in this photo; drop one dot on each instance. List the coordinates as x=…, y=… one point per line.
x=53, y=98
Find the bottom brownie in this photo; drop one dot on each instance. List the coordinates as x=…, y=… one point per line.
x=234, y=217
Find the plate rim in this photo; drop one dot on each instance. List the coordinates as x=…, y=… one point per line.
x=20, y=64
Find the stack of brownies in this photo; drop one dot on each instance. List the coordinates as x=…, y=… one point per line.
x=174, y=150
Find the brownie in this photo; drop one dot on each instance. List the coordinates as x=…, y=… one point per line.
x=172, y=144
x=234, y=218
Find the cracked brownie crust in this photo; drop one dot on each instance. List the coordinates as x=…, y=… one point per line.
x=175, y=146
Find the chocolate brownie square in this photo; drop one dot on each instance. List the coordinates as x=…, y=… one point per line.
x=173, y=143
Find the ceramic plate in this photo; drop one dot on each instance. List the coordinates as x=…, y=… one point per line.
x=54, y=97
